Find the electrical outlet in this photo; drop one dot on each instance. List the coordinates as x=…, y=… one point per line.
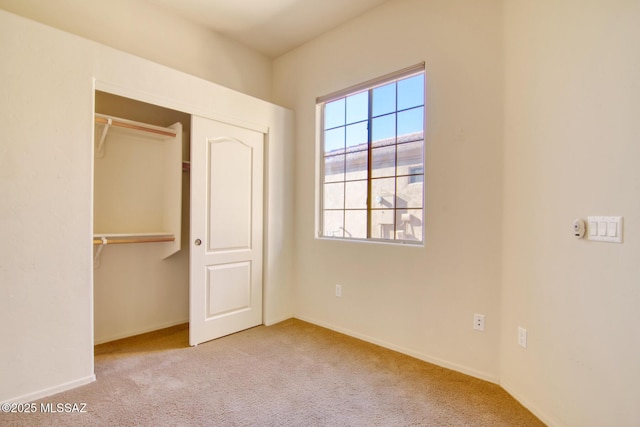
x=522, y=337
x=478, y=322
x=338, y=290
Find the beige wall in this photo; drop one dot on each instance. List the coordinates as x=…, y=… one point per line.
x=45, y=213
x=420, y=300
x=572, y=146
x=498, y=218
x=46, y=111
x=154, y=33
x=532, y=111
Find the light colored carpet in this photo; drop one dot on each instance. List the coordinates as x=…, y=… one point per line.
x=289, y=374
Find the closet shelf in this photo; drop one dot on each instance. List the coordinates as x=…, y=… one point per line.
x=121, y=238
x=130, y=124
x=109, y=121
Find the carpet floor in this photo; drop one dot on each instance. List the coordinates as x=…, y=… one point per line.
x=289, y=374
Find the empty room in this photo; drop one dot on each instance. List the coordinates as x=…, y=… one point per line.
x=298, y=212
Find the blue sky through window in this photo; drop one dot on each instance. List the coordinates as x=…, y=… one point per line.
x=410, y=121
x=334, y=139
x=345, y=119
x=357, y=107
x=384, y=127
x=384, y=99
x=411, y=92
x=334, y=114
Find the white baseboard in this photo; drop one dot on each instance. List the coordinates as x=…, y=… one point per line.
x=131, y=333
x=549, y=421
x=134, y=332
x=424, y=357
x=271, y=322
x=30, y=397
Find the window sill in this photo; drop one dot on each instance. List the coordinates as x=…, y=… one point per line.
x=397, y=243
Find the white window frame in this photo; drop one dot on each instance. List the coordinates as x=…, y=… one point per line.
x=320, y=156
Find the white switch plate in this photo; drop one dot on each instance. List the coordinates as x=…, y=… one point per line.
x=338, y=290
x=605, y=228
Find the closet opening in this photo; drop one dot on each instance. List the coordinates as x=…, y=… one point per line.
x=141, y=212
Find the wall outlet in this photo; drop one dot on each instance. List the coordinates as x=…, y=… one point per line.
x=338, y=290
x=522, y=337
x=478, y=322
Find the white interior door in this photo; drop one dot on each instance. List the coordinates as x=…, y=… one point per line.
x=226, y=229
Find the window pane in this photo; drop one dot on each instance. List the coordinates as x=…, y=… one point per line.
x=411, y=92
x=384, y=99
x=357, y=107
x=417, y=174
x=383, y=128
x=355, y=224
x=334, y=195
x=357, y=134
x=410, y=158
x=409, y=224
x=334, y=168
x=383, y=193
x=333, y=226
x=356, y=195
x=383, y=161
x=383, y=199
x=334, y=140
x=357, y=164
x=408, y=195
x=334, y=114
x=411, y=122
x=382, y=224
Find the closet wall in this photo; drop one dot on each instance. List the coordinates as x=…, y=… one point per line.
x=137, y=288
x=46, y=260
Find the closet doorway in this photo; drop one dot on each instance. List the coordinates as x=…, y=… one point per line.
x=213, y=280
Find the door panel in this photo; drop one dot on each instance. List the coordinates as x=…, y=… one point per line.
x=230, y=194
x=228, y=289
x=226, y=229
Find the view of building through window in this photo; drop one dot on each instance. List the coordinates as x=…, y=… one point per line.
x=373, y=162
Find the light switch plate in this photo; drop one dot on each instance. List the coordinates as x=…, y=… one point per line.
x=605, y=228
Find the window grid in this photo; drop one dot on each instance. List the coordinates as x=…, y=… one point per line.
x=414, y=174
x=369, y=163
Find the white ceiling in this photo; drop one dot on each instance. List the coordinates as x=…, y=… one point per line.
x=272, y=27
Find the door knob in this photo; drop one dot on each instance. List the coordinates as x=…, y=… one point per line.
x=198, y=242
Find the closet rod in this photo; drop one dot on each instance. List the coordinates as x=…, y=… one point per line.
x=118, y=241
x=123, y=124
